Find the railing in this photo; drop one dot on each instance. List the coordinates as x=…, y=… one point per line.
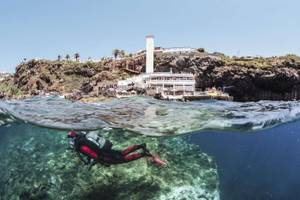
x=168, y=74
x=184, y=82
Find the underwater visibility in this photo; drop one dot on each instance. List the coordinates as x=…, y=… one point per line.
x=214, y=149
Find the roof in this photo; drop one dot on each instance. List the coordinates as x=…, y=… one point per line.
x=150, y=36
x=164, y=74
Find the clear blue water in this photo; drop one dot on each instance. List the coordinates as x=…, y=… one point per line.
x=256, y=145
x=262, y=165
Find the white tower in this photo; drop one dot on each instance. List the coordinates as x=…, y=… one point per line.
x=149, y=54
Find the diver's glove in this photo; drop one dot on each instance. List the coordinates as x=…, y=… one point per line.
x=92, y=162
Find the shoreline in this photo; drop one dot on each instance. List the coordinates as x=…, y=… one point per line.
x=243, y=78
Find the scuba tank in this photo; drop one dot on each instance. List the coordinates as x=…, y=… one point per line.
x=98, y=140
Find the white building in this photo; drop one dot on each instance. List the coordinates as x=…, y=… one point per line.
x=179, y=50
x=170, y=83
x=166, y=83
x=149, y=54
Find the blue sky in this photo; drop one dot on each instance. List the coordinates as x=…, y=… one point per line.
x=44, y=29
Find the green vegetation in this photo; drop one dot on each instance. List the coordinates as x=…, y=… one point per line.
x=7, y=87
x=259, y=62
x=292, y=57
x=115, y=53
x=118, y=53
x=77, y=56
x=201, y=50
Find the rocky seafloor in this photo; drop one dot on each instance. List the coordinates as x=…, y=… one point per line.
x=36, y=164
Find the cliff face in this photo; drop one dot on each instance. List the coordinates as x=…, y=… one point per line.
x=246, y=79
x=73, y=79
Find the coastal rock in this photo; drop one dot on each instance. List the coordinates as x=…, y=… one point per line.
x=85, y=72
x=46, y=79
x=2, y=95
x=244, y=78
x=282, y=79
x=63, y=77
x=76, y=95
x=86, y=88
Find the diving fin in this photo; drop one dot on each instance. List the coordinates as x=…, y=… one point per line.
x=158, y=161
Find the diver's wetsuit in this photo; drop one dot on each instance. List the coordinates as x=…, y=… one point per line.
x=105, y=154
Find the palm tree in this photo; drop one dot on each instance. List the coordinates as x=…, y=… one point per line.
x=77, y=57
x=67, y=57
x=116, y=53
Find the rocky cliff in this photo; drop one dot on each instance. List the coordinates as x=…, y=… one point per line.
x=245, y=78
x=73, y=79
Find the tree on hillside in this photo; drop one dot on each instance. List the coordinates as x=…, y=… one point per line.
x=77, y=57
x=121, y=53
x=67, y=57
x=201, y=50
x=59, y=57
x=116, y=53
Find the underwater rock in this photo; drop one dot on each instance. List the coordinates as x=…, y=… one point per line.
x=43, y=168
x=161, y=112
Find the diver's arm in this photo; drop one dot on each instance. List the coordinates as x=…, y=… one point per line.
x=86, y=162
x=107, y=145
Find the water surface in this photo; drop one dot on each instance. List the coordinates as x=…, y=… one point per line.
x=255, y=144
x=147, y=116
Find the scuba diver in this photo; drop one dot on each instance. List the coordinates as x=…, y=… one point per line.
x=93, y=148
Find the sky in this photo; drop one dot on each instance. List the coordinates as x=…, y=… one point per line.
x=43, y=29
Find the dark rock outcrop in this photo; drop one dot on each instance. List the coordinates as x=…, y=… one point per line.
x=2, y=95
x=72, y=79
x=250, y=79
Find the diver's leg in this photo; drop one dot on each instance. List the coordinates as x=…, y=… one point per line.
x=117, y=157
x=132, y=157
x=133, y=148
x=114, y=157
